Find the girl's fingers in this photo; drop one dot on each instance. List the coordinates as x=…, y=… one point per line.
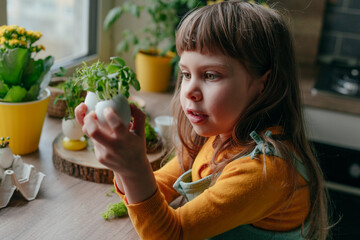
x=80, y=112
x=114, y=122
x=138, y=125
x=93, y=129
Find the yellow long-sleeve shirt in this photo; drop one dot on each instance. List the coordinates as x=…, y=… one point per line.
x=242, y=194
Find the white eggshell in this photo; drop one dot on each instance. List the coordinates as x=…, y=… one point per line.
x=72, y=129
x=120, y=105
x=90, y=101
x=6, y=157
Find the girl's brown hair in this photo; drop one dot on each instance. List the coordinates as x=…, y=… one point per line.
x=260, y=39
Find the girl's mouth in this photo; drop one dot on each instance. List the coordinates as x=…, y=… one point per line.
x=196, y=117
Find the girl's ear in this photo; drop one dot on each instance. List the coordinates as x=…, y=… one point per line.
x=263, y=81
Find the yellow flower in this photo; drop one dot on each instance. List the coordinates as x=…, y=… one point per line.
x=23, y=43
x=37, y=34
x=42, y=47
x=2, y=40
x=213, y=2
x=21, y=30
x=13, y=42
x=2, y=30
x=10, y=28
x=14, y=36
x=30, y=33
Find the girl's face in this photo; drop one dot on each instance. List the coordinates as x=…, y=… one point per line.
x=215, y=91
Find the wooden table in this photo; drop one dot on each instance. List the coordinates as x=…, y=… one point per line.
x=67, y=207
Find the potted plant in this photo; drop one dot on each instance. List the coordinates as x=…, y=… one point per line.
x=151, y=60
x=23, y=82
x=57, y=110
x=73, y=95
x=108, y=86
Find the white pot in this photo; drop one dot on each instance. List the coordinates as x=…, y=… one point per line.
x=90, y=101
x=6, y=157
x=120, y=105
x=72, y=129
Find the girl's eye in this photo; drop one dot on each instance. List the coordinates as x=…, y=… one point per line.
x=210, y=76
x=186, y=75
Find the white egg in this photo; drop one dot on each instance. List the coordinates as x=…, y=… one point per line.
x=6, y=157
x=120, y=105
x=72, y=129
x=90, y=101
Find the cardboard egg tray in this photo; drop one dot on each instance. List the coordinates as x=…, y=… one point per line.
x=21, y=177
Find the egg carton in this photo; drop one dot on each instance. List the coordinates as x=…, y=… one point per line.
x=19, y=176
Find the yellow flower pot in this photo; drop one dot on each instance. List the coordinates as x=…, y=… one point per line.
x=153, y=71
x=23, y=123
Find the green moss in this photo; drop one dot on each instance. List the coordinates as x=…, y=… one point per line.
x=114, y=210
x=150, y=134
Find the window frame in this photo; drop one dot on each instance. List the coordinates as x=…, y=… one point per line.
x=99, y=49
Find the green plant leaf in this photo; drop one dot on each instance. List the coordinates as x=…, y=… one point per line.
x=32, y=72
x=15, y=94
x=32, y=93
x=4, y=88
x=12, y=65
x=118, y=60
x=113, y=15
x=61, y=73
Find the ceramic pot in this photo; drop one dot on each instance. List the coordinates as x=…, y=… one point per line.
x=23, y=123
x=153, y=71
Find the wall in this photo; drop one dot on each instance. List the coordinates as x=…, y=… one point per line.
x=306, y=18
x=306, y=21
x=341, y=31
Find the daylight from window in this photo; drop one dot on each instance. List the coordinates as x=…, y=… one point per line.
x=63, y=23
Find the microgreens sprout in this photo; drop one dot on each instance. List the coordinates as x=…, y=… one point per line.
x=108, y=81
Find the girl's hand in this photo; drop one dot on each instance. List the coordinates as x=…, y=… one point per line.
x=80, y=112
x=121, y=149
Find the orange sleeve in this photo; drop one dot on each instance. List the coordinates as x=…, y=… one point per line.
x=242, y=194
x=165, y=179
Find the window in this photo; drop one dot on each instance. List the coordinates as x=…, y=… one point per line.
x=69, y=27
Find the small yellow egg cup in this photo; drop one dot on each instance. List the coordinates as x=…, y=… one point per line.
x=74, y=145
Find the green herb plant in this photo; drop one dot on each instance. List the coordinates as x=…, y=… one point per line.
x=150, y=134
x=73, y=96
x=107, y=81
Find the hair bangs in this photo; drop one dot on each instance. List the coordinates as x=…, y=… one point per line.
x=203, y=30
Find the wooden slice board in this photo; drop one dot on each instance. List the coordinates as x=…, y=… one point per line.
x=83, y=164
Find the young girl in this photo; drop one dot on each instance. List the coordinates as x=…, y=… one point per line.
x=243, y=161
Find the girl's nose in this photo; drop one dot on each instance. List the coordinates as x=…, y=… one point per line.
x=193, y=91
